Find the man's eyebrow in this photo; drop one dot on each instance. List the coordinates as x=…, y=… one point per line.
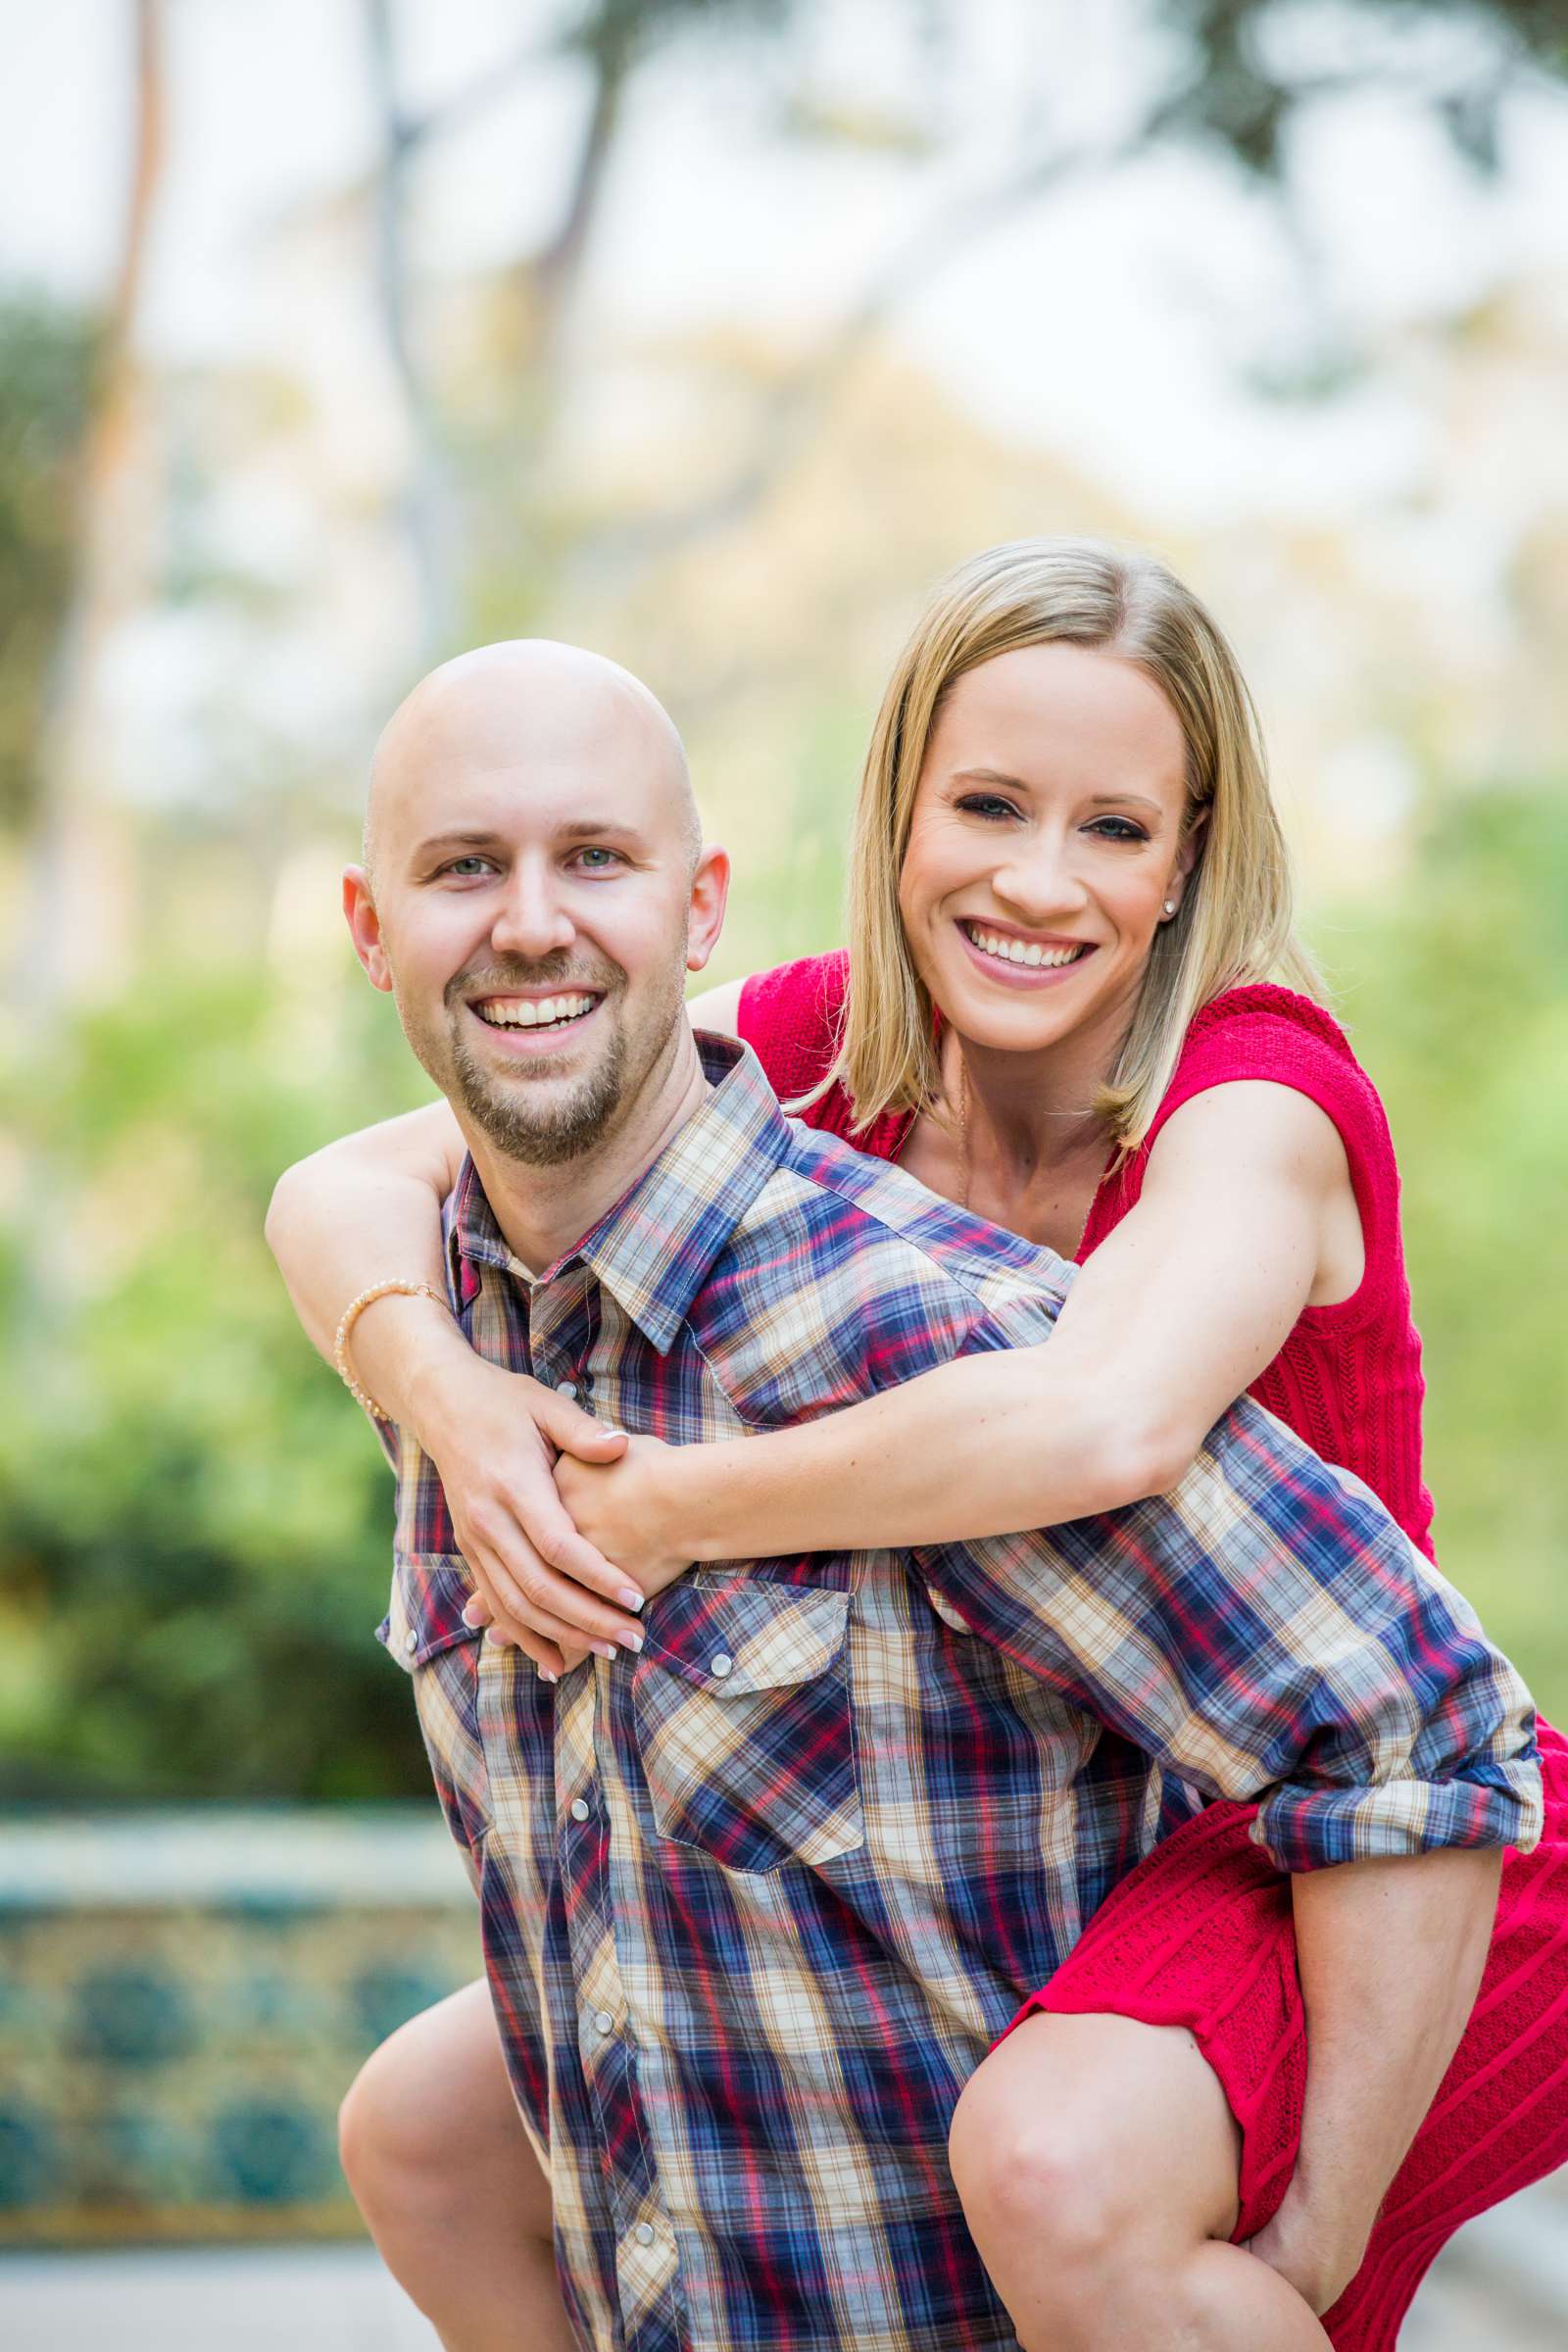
x=574, y=828
x=456, y=840
x=594, y=828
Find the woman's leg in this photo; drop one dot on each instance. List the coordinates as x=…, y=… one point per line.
x=440, y=2166
x=1097, y=2161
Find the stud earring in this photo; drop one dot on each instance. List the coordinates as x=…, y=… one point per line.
x=1170, y=905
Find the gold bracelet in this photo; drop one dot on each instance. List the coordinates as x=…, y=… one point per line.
x=351, y=1316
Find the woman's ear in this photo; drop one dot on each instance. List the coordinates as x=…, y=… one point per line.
x=1188, y=855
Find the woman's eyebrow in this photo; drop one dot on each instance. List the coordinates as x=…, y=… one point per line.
x=1125, y=800
x=1097, y=800
x=989, y=775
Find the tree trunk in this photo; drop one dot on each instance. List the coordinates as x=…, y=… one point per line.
x=79, y=905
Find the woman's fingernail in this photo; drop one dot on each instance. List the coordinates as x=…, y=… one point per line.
x=634, y=1643
x=631, y=1599
x=602, y=1649
x=544, y=1676
x=471, y=1615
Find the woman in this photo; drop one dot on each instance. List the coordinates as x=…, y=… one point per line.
x=1069, y=892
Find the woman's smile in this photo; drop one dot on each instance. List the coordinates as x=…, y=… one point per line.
x=1015, y=958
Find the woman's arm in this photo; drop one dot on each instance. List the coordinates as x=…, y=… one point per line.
x=1174, y=1317
x=367, y=1210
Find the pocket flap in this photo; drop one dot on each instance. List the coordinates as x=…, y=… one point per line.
x=745, y=1634
x=430, y=1591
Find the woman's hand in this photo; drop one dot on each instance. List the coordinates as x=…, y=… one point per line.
x=631, y=1510
x=1317, y=2255
x=495, y=1437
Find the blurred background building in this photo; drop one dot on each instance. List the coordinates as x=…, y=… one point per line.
x=338, y=334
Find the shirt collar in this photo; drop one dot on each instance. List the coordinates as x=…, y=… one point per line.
x=653, y=1250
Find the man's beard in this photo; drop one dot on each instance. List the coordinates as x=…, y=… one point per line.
x=541, y=1134
x=529, y=1118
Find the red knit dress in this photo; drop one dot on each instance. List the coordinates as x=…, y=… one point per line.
x=1200, y=1933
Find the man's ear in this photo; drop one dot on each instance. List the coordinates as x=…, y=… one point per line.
x=364, y=926
x=710, y=895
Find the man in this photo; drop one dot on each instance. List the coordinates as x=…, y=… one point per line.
x=757, y=1899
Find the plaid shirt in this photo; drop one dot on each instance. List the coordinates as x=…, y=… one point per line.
x=756, y=1902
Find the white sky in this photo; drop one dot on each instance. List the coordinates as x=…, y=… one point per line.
x=1105, y=324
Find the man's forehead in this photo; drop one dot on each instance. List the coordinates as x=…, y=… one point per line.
x=530, y=798
x=522, y=738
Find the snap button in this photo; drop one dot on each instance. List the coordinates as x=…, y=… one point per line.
x=410, y=1642
x=604, y=2022
x=722, y=1664
x=644, y=2234
x=580, y=1808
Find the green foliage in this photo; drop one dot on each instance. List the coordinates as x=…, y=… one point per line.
x=196, y=1518
x=1457, y=999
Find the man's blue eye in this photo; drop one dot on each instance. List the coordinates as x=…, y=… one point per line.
x=468, y=864
x=609, y=857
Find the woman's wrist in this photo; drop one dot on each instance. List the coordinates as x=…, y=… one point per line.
x=708, y=1508
x=407, y=1353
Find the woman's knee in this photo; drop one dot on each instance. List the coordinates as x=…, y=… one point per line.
x=1089, y=2136
x=1029, y=2172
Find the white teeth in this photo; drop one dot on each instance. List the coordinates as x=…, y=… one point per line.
x=1020, y=950
x=521, y=1015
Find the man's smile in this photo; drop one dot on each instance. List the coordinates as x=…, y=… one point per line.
x=536, y=1022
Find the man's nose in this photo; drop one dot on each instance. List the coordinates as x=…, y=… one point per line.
x=532, y=919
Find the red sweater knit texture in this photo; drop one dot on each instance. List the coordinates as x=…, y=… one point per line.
x=1347, y=1379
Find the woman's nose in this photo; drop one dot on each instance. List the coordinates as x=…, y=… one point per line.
x=1040, y=883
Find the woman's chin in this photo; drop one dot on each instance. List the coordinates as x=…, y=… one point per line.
x=1008, y=1029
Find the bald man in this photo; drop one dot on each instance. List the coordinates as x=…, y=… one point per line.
x=532, y=851
x=759, y=1889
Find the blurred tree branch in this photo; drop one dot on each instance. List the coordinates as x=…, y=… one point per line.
x=1227, y=98
x=80, y=875
x=427, y=520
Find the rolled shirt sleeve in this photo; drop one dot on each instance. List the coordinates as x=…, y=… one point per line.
x=1268, y=1634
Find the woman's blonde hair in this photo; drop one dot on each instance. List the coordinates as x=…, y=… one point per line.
x=1234, y=922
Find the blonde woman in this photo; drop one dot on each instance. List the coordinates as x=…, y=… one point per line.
x=1070, y=914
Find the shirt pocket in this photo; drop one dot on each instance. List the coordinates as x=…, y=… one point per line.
x=744, y=1722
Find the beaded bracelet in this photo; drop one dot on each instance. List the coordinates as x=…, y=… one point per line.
x=351, y=1316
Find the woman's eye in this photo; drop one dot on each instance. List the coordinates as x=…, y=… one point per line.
x=987, y=805
x=1117, y=828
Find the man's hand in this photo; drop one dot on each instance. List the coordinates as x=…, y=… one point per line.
x=495, y=1437
x=1318, y=2257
